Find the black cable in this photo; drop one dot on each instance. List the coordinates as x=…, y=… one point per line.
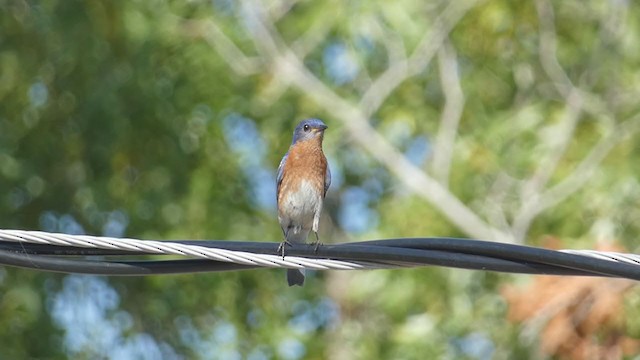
x=459, y=253
x=420, y=257
x=116, y=268
x=516, y=252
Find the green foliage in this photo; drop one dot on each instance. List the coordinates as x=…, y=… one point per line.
x=115, y=118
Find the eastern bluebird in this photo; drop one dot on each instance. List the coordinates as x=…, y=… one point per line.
x=302, y=183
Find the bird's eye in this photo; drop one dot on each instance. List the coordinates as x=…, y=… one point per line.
x=306, y=128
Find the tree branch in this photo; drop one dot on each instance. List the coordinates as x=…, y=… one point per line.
x=237, y=60
x=572, y=95
x=287, y=67
x=551, y=65
x=558, y=143
x=451, y=114
x=286, y=64
x=311, y=38
x=401, y=69
x=534, y=205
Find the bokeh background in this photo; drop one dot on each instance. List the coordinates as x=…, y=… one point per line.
x=496, y=120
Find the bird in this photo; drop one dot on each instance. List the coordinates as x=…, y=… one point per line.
x=302, y=182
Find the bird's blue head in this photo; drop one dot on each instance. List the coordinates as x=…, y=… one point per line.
x=309, y=129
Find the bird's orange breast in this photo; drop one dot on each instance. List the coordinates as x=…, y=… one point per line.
x=306, y=161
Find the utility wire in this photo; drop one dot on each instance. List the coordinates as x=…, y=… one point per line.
x=67, y=253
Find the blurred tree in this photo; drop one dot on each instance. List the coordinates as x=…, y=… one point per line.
x=167, y=119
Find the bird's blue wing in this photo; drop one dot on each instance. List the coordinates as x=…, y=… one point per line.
x=279, y=176
x=327, y=180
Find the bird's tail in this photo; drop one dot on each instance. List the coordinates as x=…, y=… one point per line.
x=295, y=277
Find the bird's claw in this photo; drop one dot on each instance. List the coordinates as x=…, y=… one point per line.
x=316, y=244
x=282, y=247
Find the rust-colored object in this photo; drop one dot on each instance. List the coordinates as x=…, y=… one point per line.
x=575, y=317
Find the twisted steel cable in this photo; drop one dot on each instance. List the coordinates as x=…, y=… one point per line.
x=59, y=252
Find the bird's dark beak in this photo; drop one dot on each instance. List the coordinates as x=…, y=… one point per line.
x=321, y=127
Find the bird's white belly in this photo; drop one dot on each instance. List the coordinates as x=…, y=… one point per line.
x=300, y=207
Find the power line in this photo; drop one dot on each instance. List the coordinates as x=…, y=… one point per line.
x=67, y=253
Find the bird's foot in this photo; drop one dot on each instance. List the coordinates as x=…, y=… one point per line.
x=316, y=244
x=282, y=247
